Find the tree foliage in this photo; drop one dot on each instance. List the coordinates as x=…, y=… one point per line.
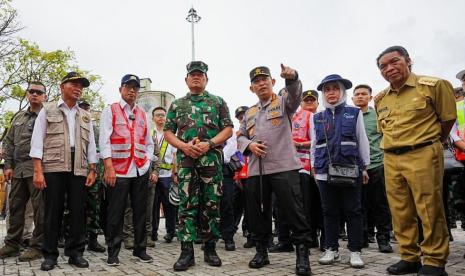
x=30, y=63
x=9, y=26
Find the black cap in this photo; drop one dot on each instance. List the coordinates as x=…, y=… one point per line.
x=197, y=66
x=130, y=78
x=259, y=71
x=310, y=93
x=83, y=104
x=72, y=76
x=460, y=75
x=239, y=110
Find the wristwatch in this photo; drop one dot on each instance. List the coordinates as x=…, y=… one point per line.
x=211, y=144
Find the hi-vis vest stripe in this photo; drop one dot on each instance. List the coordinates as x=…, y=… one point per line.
x=163, y=148
x=128, y=139
x=460, y=155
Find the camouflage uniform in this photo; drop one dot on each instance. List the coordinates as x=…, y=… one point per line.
x=202, y=116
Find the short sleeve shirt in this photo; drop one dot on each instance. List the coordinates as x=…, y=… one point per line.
x=413, y=114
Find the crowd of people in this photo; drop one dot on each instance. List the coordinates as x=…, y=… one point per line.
x=320, y=175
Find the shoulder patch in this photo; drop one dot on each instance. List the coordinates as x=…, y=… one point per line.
x=380, y=95
x=251, y=111
x=430, y=81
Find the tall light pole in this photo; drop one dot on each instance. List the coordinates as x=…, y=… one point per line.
x=193, y=18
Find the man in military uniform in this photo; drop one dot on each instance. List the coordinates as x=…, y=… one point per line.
x=19, y=169
x=202, y=123
x=266, y=137
x=415, y=114
x=64, y=156
x=93, y=203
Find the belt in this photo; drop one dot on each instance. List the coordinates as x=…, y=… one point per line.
x=402, y=150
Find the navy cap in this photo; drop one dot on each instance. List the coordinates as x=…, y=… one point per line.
x=240, y=109
x=259, y=71
x=197, y=66
x=310, y=93
x=347, y=83
x=130, y=77
x=72, y=76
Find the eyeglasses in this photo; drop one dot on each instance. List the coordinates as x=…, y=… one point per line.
x=37, y=92
x=132, y=87
x=159, y=115
x=309, y=99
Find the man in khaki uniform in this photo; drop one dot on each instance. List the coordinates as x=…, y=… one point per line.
x=64, y=155
x=18, y=169
x=415, y=113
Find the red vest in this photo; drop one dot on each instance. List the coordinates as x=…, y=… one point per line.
x=128, y=139
x=300, y=133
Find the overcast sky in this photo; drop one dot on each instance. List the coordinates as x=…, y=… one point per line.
x=152, y=39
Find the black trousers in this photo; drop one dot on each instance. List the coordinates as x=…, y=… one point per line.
x=162, y=190
x=286, y=187
x=337, y=200
x=375, y=205
x=227, y=223
x=59, y=184
x=117, y=197
x=239, y=206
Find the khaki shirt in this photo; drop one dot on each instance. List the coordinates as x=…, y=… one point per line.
x=413, y=114
x=271, y=123
x=18, y=144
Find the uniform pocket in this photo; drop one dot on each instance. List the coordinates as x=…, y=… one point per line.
x=53, y=151
x=55, y=125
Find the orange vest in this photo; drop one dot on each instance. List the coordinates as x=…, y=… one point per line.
x=128, y=139
x=300, y=133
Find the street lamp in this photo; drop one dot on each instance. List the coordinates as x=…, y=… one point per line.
x=193, y=18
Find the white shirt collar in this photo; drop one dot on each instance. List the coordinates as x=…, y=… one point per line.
x=61, y=102
x=123, y=104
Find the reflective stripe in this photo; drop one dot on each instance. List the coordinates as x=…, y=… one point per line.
x=139, y=154
x=140, y=146
x=165, y=166
x=120, y=155
x=120, y=146
x=304, y=155
x=347, y=143
x=320, y=146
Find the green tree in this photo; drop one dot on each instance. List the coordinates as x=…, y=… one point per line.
x=30, y=63
x=9, y=26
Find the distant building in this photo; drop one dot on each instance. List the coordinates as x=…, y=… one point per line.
x=148, y=99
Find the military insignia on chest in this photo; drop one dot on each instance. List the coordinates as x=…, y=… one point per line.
x=275, y=121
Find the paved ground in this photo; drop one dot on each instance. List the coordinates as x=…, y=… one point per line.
x=234, y=263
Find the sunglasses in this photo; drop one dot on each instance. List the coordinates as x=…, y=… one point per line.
x=159, y=115
x=37, y=92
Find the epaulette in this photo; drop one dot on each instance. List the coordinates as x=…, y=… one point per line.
x=252, y=111
x=430, y=81
x=380, y=95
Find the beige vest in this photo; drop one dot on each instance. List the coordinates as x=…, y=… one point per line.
x=57, y=150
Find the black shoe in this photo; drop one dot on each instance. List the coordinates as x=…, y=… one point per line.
x=281, y=247
x=403, y=267
x=113, y=261
x=186, y=258
x=261, y=257
x=78, y=261
x=249, y=244
x=48, y=264
x=25, y=243
x=168, y=237
x=143, y=257
x=209, y=254
x=93, y=245
x=229, y=245
x=428, y=270
x=302, y=264
x=385, y=248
